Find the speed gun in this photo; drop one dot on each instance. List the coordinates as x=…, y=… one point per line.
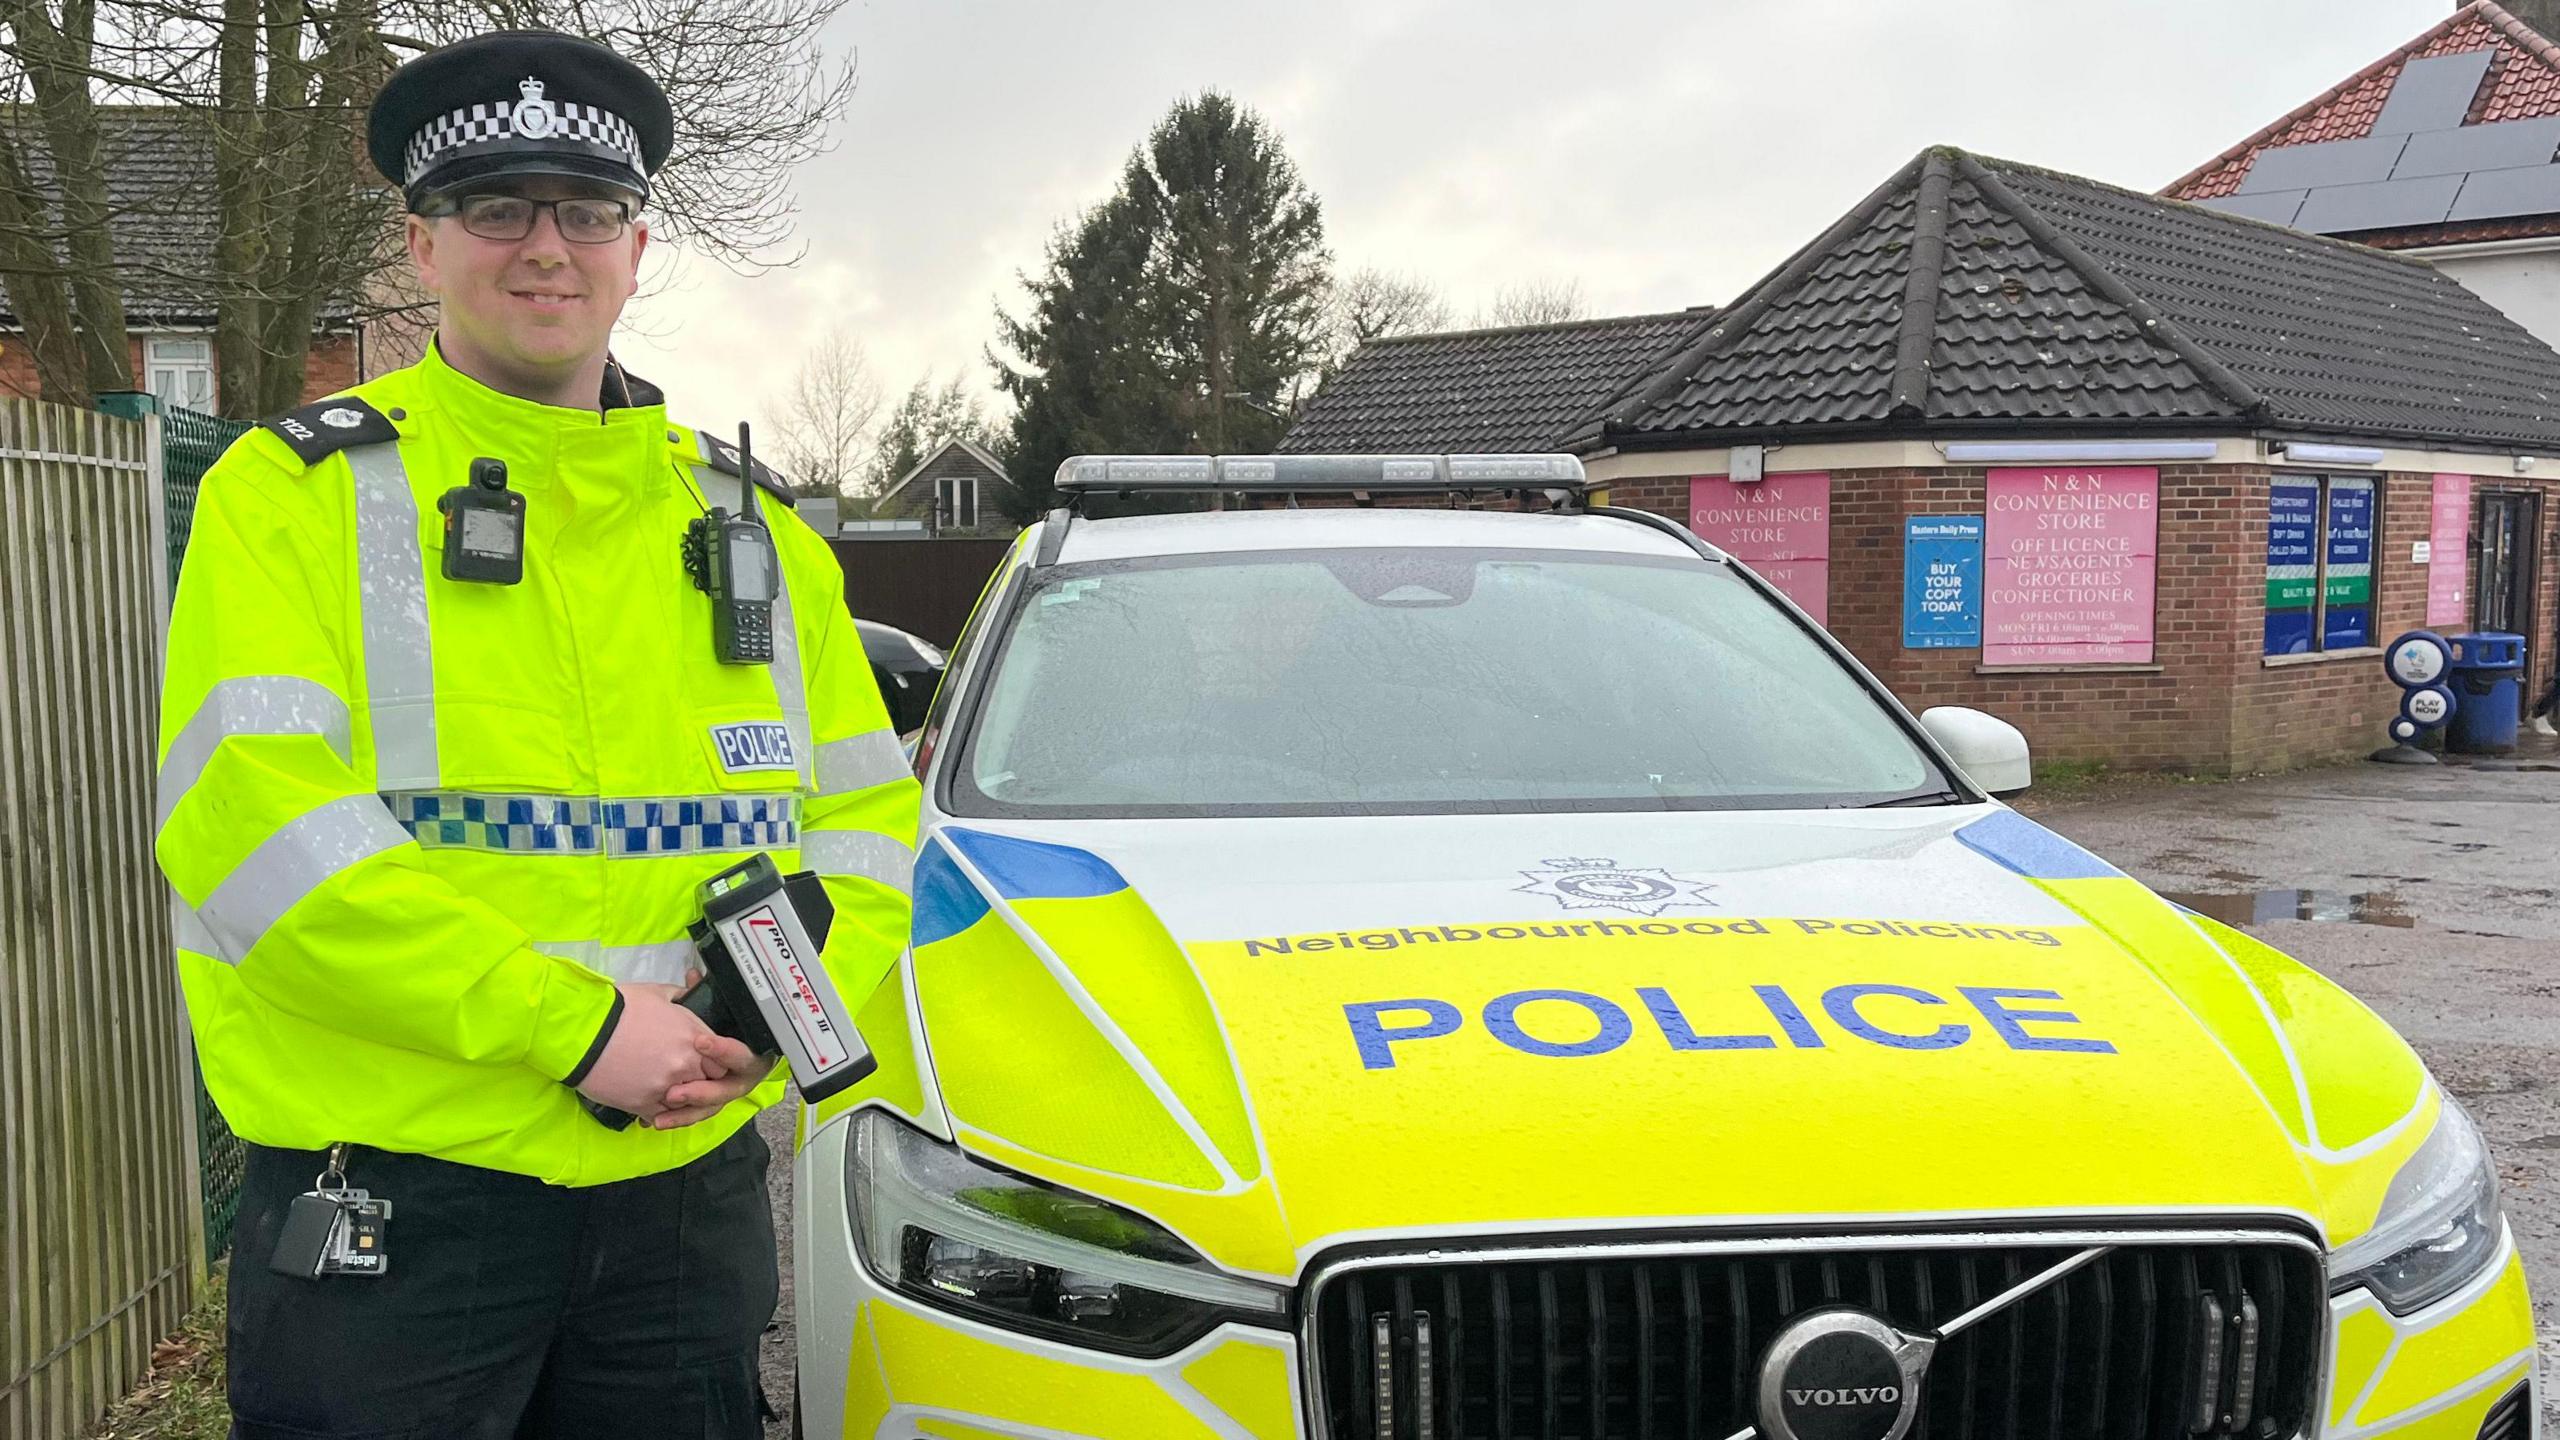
x=759, y=938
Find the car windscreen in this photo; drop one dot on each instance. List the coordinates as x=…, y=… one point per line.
x=1366, y=681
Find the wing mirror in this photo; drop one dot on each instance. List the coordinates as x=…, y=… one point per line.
x=1988, y=749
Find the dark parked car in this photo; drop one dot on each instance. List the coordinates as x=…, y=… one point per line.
x=907, y=667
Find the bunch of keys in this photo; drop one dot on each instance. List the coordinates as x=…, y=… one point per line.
x=331, y=1229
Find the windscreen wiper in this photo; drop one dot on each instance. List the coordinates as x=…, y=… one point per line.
x=1938, y=797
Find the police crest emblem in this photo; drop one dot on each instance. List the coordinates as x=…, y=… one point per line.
x=1583, y=883
x=533, y=117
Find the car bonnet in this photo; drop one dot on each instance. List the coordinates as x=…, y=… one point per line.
x=1280, y=1035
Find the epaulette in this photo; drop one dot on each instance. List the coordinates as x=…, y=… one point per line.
x=724, y=458
x=324, y=427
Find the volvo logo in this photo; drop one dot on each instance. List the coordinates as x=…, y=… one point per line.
x=1841, y=1374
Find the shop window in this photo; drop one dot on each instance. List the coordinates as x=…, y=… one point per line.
x=2320, y=546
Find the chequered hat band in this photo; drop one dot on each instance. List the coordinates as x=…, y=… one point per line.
x=458, y=133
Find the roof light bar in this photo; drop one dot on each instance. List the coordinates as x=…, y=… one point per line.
x=1317, y=474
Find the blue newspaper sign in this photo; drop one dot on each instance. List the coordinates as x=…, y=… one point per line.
x=1942, y=582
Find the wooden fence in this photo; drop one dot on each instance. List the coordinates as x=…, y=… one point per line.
x=100, y=1226
x=923, y=586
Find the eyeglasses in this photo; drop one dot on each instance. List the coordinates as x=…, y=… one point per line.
x=583, y=220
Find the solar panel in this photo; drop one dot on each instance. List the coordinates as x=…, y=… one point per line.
x=2276, y=205
x=2434, y=93
x=2331, y=162
x=2496, y=194
x=2508, y=145
x=2339, y=209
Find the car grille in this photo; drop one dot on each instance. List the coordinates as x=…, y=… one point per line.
x=2151, y=1341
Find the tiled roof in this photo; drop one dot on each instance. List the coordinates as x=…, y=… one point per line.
x=2523, y=83
x=1515, y=389
x=159, y=166
x=1979, y=296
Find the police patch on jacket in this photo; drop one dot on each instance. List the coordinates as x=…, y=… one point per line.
x=324, y=427
x=754, y=745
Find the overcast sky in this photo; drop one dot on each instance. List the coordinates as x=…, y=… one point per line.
x=1661, y=154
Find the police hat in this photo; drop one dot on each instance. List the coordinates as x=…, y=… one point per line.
x=518, y=102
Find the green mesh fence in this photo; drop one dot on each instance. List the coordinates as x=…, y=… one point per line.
x=189, y=444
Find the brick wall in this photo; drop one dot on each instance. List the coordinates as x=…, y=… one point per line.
x=2209, y=702
x=330, y=368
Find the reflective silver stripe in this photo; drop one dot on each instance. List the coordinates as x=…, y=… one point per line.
x=293, y=862
x=250, y=705
x=860, y=762
x=790, y=690
x=399, y=665
x=662, y=963
x=866, y=853
x=789, y=686
x=187, y=928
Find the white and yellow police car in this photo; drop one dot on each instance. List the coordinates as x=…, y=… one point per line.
x=1431, y=974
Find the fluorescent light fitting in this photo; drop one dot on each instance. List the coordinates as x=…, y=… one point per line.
x=2310, y=454
x=2079, y=450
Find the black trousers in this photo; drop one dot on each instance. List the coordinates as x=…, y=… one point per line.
x=510, y=1308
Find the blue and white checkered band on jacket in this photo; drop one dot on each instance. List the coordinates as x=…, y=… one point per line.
x=460, y=133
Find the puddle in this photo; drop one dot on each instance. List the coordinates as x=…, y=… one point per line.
x=2254, y=907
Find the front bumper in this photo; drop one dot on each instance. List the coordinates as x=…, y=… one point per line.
x=880, y=1367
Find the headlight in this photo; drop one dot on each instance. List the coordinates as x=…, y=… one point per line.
x=953, y=1232
x=2439, y=1225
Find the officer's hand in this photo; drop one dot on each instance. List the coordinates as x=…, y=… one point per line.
x=730, y=1070
x=652, y=1050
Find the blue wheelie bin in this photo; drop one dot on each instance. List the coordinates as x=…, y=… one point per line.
x=2488, y=687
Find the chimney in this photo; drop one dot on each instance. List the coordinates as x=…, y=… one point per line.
x=2542, y=15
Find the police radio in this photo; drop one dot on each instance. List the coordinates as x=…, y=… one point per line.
x=759, y=939
x=731, y=559
x=484, y=527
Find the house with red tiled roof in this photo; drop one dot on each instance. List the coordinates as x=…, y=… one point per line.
x=2448, y=147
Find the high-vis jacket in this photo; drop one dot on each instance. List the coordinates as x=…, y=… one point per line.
x=418, y=827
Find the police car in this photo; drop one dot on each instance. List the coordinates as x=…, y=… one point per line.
x=1417, y=973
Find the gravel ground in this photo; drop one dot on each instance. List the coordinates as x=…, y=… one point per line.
x=2444, y=881
x=2454, y=873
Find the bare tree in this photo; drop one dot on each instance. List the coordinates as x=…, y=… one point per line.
x=827, y=418
x=1537, y=302
x=304, y=232
x=1372, y=304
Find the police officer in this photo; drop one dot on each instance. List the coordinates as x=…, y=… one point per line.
x=447, y=749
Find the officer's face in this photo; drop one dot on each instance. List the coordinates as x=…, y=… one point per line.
x=537, y=310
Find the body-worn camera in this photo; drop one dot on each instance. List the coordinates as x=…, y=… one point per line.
x=484, y=527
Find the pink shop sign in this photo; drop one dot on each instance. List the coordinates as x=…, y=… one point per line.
x=2070, y=565
x=2449, y=553
x=1780, y=527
